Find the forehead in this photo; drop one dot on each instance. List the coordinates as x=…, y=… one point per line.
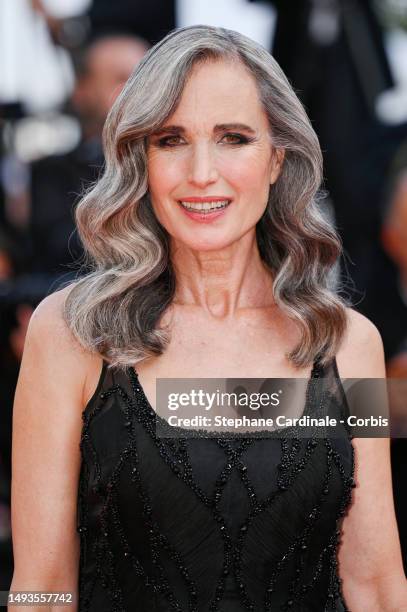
x=219, y=92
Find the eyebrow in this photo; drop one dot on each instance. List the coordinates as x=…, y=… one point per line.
x=220, y=127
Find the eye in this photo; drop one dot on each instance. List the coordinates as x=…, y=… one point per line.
x=235, y=139
x=169, y=141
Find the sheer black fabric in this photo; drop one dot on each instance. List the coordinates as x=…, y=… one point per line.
x=204, y=524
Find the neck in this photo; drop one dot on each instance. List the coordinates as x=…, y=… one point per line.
x=224, y=281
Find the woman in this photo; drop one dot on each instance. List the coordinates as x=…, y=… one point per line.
x=211, y=257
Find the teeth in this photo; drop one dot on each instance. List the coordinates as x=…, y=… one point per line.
x=205, y=206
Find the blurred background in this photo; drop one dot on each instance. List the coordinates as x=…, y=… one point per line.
x=64, y=61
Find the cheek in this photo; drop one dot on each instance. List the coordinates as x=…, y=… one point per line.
x=249, y=171
x=249, y=181
x=163, y=176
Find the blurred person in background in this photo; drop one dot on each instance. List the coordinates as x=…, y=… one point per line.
x=394, y=240
x=13, y=326
x=102, y=68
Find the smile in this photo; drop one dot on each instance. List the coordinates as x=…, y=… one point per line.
x=204, y=207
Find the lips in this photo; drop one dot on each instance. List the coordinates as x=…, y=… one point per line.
x=204, y=210
x=208, y=198
x=205, y=206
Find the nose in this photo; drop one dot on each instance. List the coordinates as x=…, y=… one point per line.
x=202, y=165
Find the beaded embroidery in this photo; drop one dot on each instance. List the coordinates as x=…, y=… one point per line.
x=104, y=536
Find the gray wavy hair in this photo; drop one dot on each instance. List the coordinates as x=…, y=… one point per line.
x=115, y=308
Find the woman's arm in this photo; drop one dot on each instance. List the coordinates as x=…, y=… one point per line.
x=47, y=424
x=370, y=562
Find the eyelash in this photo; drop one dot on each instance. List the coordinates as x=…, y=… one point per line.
x=163, y=142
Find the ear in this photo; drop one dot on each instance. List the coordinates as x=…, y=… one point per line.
x=276, y=164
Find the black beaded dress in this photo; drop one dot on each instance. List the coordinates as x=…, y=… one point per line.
x=208, y=524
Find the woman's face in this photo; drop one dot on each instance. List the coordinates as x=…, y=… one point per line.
x=213, y=151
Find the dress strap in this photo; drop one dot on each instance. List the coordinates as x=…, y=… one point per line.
x=98, y=389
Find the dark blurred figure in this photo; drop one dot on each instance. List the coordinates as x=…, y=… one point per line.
x=57, y=181
x=10, y=266
x=333, y=53
x=13, y=325
x=394, y=239
x=152, y=20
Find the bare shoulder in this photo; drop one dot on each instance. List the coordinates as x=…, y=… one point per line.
x=47, y=427
x=361, y=353
x=48, y=317
x=51, y=348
